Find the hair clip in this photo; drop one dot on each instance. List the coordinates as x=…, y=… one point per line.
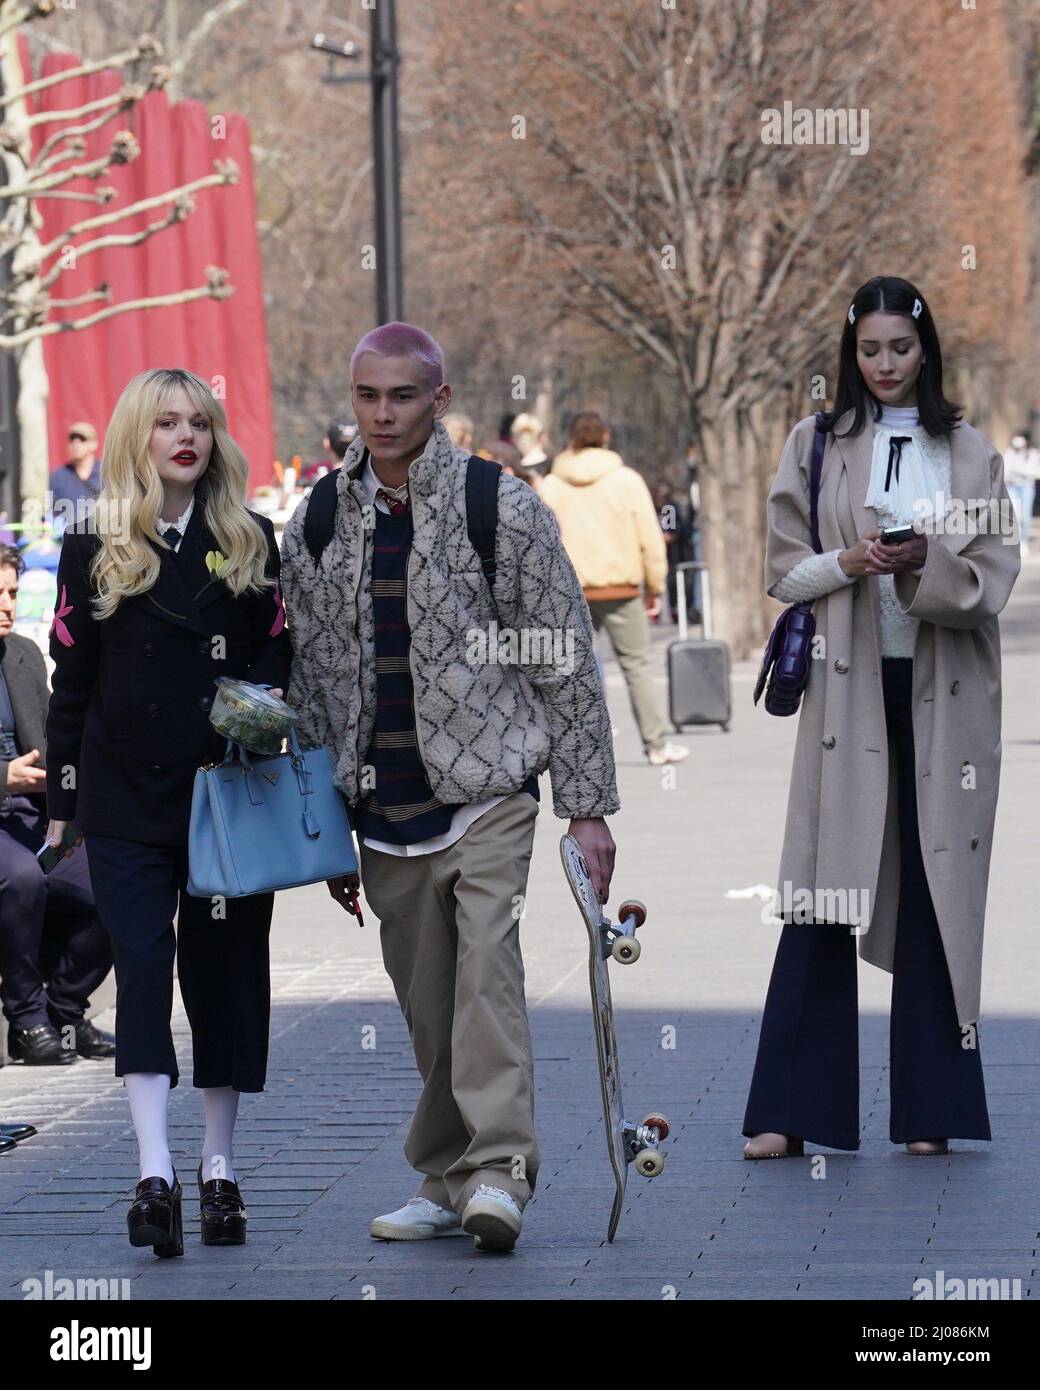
x=915, y=312
x=852, y=313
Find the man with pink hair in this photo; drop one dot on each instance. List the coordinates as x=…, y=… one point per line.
x=446, y=674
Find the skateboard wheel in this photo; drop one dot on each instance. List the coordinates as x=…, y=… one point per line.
x=650, y=1162
x=625, y=950
x=635, y=907
x=660, y=1124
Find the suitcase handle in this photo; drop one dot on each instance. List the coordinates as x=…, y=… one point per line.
x=680, y=586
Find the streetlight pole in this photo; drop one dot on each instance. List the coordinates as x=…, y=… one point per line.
x=386, y=157
x=10, y=442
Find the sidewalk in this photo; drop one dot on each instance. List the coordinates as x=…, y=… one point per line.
x=320, y=1152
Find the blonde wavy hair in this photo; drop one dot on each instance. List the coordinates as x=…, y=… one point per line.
x=125, y=564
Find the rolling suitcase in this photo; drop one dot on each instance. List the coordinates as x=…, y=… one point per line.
x=698, y=668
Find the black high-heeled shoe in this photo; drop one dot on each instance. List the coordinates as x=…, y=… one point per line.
x=154, y=1217
x=222, y=1213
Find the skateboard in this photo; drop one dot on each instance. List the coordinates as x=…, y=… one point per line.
x=626, y=1143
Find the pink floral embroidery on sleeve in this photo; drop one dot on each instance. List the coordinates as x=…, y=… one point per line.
x=279, y=619
x=58, y=628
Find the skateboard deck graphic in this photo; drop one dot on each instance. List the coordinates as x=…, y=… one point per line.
x=626, y=1143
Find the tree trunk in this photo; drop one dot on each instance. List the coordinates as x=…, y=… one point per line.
x=33, y=392
x=545, y=397
x=733, y=530
x=33, y=388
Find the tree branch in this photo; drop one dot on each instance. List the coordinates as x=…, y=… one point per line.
x=198, y=36
x=178, y=213
x=124, y=150
x=217, y=287
x=227, y=172
x=146, y=47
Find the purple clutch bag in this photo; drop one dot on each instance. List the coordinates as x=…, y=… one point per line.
x=784, y=672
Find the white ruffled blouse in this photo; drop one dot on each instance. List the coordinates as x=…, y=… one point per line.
x=921, y=487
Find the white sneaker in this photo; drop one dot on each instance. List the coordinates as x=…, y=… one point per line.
x=493, y=1218
x=418, y=1219
x=668, y=753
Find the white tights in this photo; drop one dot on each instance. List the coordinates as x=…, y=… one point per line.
x=149, y=1095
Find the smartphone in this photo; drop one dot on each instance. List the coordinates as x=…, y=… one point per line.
x=897, y=535
x=50, y=856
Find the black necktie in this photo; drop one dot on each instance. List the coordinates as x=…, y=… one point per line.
x=171, y=536
x=895, y=454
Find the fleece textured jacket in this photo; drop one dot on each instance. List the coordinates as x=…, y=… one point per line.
x=483, y=726
x=608, y=521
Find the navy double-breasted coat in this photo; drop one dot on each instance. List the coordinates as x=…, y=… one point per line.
x=128, y=723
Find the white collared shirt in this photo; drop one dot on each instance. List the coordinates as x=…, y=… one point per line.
x=181, y=523
x=370, y=486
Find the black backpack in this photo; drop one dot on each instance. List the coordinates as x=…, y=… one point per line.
x=481, y=515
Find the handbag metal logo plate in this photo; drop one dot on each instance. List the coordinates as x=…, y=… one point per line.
x=272, y=777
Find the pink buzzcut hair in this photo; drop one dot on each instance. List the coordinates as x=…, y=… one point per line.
x=403, y=340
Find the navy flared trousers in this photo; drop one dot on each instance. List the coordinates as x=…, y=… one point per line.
x=806, y=1078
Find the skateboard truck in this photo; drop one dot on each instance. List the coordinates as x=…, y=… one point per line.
x=619, y=938
x=641, y=1143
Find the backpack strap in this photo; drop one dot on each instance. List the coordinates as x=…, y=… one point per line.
x=815, y=471
x=319, y=521
x=482, y=515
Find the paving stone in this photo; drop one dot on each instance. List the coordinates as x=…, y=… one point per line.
x=319, y=1153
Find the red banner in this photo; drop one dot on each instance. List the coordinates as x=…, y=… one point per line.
x=222, y=341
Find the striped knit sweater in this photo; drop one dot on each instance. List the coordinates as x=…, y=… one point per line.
x=400, y=807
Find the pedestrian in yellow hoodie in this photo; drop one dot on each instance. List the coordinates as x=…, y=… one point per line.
x=611, y=532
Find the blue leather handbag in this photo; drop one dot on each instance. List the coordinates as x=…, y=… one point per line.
x=259, y=824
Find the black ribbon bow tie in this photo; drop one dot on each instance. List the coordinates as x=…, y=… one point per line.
x=895, y=454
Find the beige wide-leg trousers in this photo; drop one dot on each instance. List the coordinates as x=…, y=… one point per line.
x=449, y=929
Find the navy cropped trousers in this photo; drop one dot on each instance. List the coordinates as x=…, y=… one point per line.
x=222, y=957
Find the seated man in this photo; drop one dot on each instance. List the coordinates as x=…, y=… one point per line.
x=54, y=953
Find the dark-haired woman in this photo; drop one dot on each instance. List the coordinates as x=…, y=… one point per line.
x=897, y=758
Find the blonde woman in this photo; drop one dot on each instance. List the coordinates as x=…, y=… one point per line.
x=172, y=584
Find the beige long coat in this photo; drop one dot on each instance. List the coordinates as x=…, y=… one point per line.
x=841, y=836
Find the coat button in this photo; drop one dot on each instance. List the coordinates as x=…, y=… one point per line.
x=855, y=589
x=974, y=842
x=149, y=649
x=205, y=702
x=955, y=687
x=154, y=767
x=204, y=646
x=152, y=711
x=829, y=741
x=841, y=666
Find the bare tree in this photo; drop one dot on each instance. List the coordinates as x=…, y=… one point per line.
x=32, y=291
x=629, y=144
